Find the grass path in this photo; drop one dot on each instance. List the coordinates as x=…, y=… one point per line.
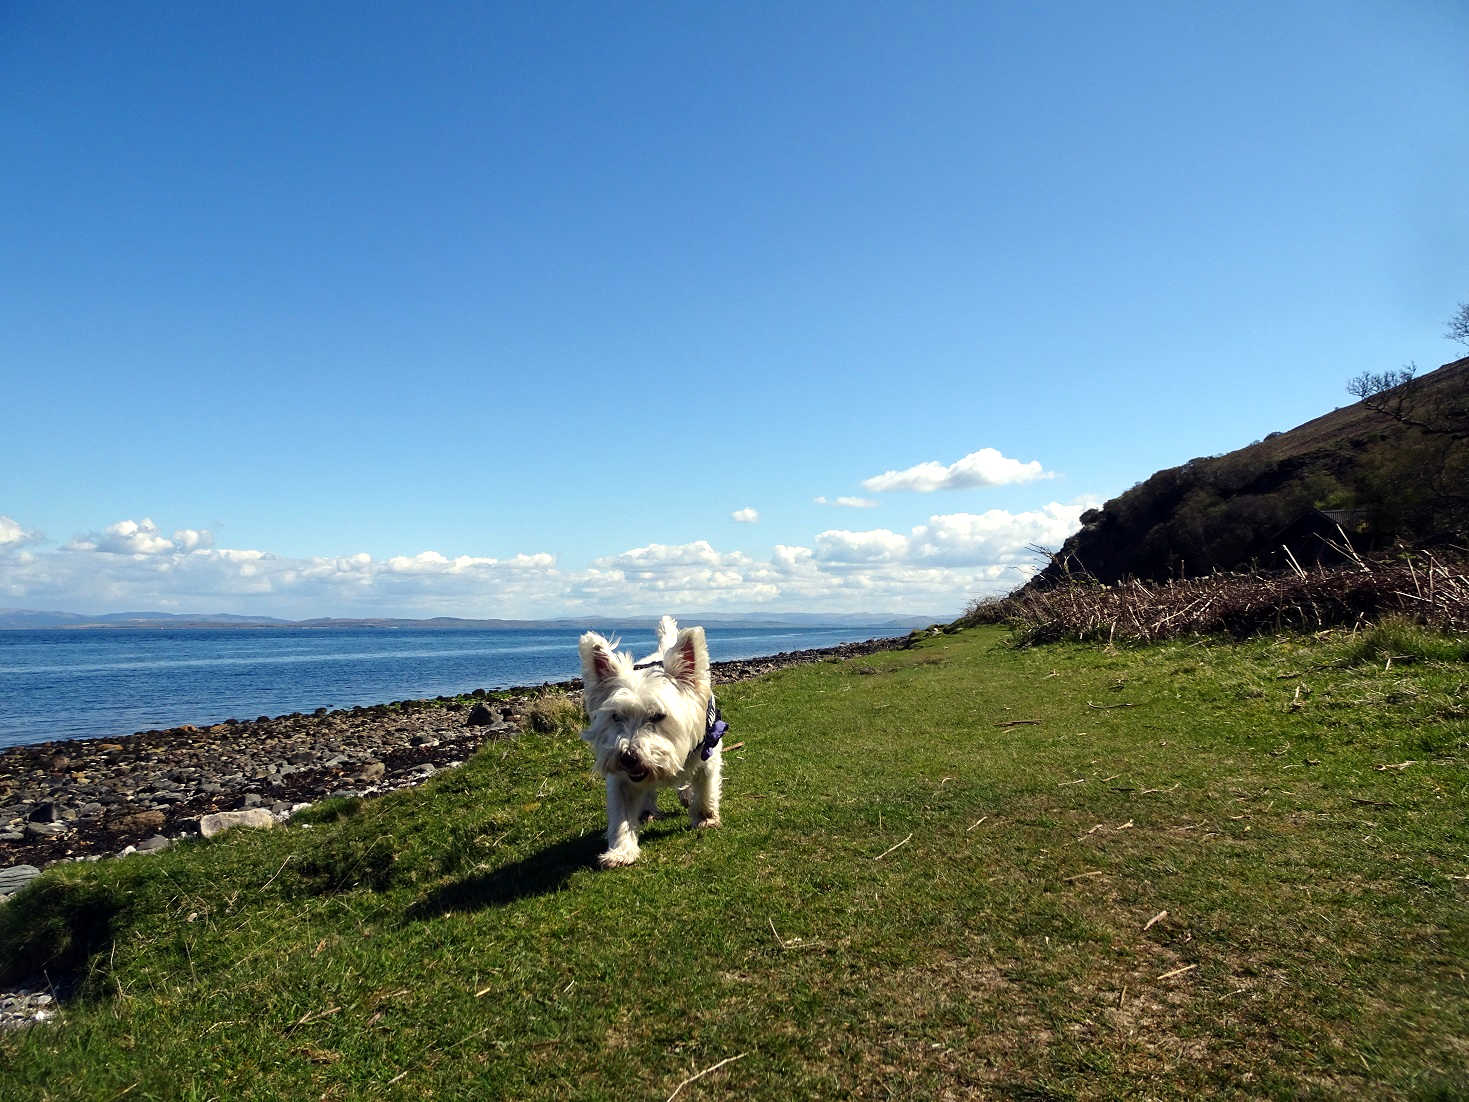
x=950, y=872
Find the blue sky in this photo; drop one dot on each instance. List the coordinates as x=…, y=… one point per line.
x=524, y=310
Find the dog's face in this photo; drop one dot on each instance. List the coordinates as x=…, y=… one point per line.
x=644, y=724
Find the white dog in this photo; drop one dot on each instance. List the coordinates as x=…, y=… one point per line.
x=652, y=725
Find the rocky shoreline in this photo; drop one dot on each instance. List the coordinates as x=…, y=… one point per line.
x=81, y=799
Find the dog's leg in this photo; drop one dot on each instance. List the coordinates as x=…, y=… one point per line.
x=650, y=806
x=704, y=791
x=622, y=826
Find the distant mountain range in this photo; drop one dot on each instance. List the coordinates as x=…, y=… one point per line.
x=19, y=618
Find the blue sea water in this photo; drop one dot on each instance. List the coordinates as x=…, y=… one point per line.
x=57, y=683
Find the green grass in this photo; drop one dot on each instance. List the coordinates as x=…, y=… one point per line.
x=455, y=942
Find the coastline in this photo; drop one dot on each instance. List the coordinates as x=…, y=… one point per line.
x=83, y=799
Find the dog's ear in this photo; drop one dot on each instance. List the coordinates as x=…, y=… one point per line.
x=598, y=667
x=687, y=661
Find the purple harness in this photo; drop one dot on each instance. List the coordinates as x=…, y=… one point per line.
x=714, y=728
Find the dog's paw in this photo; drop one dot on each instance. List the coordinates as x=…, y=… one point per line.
x=616, y=858
x=709, y=822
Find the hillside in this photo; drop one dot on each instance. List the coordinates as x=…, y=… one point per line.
x=1396, y=472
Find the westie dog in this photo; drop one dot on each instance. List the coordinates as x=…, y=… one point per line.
x=652, y=725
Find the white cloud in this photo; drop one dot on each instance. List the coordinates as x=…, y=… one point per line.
x=995, y=535
x=126, y=537
x=986, y=467
x=187, y=539
x=848, y=502
x=13, y=536
x=745, y=516
x=879, y=545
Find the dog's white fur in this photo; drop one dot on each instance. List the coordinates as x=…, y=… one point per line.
x=646, y=727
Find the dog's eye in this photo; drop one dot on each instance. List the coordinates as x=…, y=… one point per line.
x=657, y=717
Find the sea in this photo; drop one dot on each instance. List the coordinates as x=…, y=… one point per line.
x=94, y=683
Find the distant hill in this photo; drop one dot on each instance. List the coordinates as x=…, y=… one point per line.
x=1396, y=472
x=20, y=618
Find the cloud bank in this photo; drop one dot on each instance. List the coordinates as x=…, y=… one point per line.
x=933, y=568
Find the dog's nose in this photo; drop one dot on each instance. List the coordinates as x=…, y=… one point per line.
x=627, y=759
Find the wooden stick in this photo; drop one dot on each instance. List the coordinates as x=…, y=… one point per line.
x=890, y=849
x=1178, y=971
x=706, y=1071
x=1156, y=918
x=1019, y=723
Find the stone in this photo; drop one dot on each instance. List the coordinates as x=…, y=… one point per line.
x=479, y=716
x=16, y=877
x=45, y=813
x=221, y=821
x=372, y=771
x=155, y=844
x=45, y=830
x=249, y=800
x=138, y=822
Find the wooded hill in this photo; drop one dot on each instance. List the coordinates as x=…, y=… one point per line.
x=1393, y=468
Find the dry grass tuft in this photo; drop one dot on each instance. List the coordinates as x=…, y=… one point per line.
x=1422, y=589
x=554, y=712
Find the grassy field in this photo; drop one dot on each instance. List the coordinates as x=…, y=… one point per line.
x=957, y=871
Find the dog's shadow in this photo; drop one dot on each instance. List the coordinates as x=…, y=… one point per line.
x=541, y=873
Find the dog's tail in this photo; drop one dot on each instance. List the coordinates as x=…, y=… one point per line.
x=667, y=636
x=667, y=633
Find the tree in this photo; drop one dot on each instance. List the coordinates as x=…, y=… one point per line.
x=1459, y=325
x=1418, y=483
x=1400, y=395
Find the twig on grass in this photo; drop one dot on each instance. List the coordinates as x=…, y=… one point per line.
x=278, y=871
x=1108, y=707
x=975, y=823
x=1150, y=791
x=1019, y=723
x=1178, y=971
x=1084, y=875
x=311, y=1016
x=706, y=1071
x=793, y=943
x=890, y=849
x=1155, y=919
x=1399, y=766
